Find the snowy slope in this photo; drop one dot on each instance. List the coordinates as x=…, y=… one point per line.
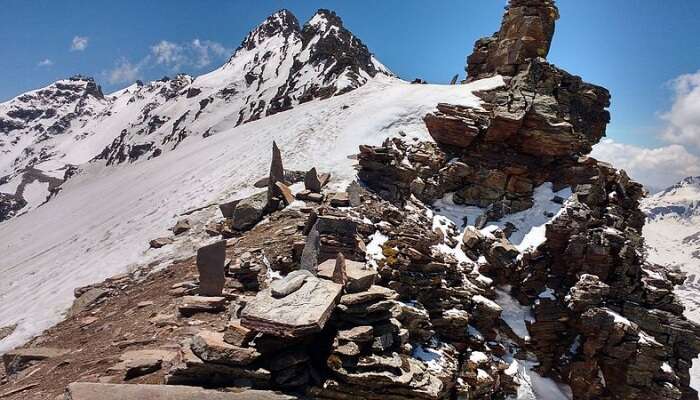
x=278, y=66
x=103, y=218
x=672, y=234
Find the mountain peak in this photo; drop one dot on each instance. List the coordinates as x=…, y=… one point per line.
x=282, y=22
x=324, y=19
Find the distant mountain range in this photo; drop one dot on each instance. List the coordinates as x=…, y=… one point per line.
x=43, y=133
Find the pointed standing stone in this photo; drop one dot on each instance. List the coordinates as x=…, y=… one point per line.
x=211, y=262
x=309, y=257
x=340, y=275
x=276, y=174
x=312, y=181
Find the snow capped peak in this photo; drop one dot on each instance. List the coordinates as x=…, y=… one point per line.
x=283, y=22
x=672, y=230
x=681, y=200
x=689, y=184
x=278, y=66
x=324, y=21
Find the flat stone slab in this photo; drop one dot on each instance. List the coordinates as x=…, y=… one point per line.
x=108, y=391
x=190, y=305
x=18, y=359
x=211, y=347
x=360, y=278
x=301, y=313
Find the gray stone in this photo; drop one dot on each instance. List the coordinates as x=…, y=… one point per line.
x=86, y=300
x=359, y=334
x=182, y=226
x=309, y=256
x=340, y=275
x=160, y=242
x=276, y=174
x=211, y=262
x=237, y=334
x=211, y=347
x=301, y=313
x=249, y=211
x=339, y=199
x=290, y=283
x=373, y=294
x=142, y=362
x=108, y=391
x=228, y=208
x=354, y=194
x=312, y=182
x=359, y=277
x=6, y=331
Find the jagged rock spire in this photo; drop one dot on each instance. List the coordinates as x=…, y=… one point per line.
x=283, y=21
x=526, y=33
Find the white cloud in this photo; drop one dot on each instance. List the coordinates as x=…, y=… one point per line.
x=205, y=49
x=44, y=63
x=79, y=43
x=683, y=119
x=656, y=168
x=124, y=72
x=168, y=53
x=197, y=53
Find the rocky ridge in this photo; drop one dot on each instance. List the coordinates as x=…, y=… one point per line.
x=411, y=284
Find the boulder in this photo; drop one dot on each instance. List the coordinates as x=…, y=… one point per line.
x=237, y=334
x=6, y=331
x=359, y=276
x=290, y=283
x=107, y=391
x=249, y=211
x=228, y=208
x=182, y=226
x=86, y=300
x=211, y=347
x=455, y=125
x=298, y=314
x=160, y=242
x=312, y=182
x=211, y=260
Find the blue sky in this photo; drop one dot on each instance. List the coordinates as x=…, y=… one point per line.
x=635, y=48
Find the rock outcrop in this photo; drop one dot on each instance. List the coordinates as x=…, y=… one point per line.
x=526, y=33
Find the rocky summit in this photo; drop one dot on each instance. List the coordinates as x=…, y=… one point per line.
x=482, y=255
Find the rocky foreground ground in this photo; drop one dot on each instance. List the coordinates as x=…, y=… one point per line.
x=373, y=293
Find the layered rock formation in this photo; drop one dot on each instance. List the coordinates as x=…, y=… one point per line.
x=526, y=33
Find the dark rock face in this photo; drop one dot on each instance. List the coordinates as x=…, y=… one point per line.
x=335, y=49
x=211, y=265
x=9, y=205
x=526, y=33
x=621, y=310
